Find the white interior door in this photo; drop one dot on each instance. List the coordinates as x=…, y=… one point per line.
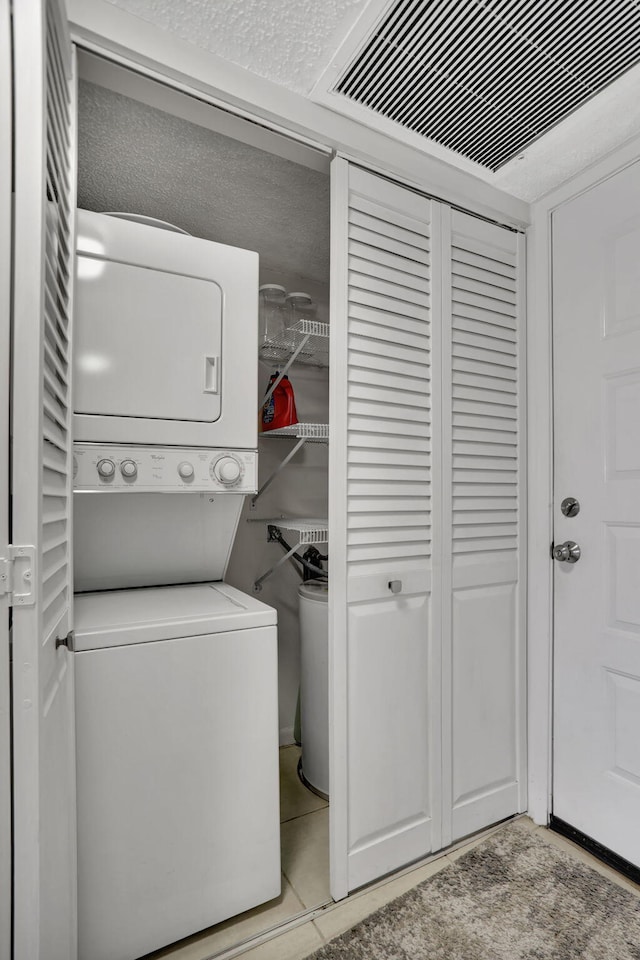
x=596, y=315
x=385, y=777
x=43, y=695
x=5, y=314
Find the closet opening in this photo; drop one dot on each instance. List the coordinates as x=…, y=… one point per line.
x=147, y=150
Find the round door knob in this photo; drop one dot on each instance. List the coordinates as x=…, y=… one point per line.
x=106, y=468
x=227, y=470
x=567, y=552
x=185, y=470
x=128, y=469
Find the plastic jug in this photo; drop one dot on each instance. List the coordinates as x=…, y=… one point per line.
x=280, y=409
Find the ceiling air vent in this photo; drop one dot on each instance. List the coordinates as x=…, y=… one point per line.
x=487, y=78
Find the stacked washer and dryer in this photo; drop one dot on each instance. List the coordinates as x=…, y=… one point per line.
x=176, y=671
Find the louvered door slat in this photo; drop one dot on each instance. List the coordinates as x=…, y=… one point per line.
x=395, y=457
x=392, y=352
x=411, y=283
x=385, y=258
x=484, y=328
x=407, y=223
x=386, y=283
x=483, y=467
x=393, y=381
x=389, y=227
x=381, y=242
x=479, y=273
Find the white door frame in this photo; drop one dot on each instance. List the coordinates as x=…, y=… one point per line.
x=5, y=317
x=540, y=446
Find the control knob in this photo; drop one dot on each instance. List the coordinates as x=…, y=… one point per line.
x=106, y=468
x=185, y=470
x=129, y=469
x=227, y=470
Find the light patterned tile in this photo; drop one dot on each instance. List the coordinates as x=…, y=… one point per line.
x=305, y=856
x=230, y=932
x=294, y=945
x=295, y=799
x=346, y=914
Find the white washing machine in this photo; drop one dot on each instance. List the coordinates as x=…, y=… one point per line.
x=176, y=686
x=177, y=764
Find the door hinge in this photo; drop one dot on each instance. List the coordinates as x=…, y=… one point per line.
x=17, y=576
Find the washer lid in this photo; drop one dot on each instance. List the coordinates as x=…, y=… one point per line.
x=119, y=617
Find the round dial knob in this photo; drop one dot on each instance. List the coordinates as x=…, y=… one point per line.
x=128, y=469
x=185, y=470
x=106, y=468
x=227, y=470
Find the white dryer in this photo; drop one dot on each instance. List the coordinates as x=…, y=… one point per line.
x=165, y=337
x=177, y=764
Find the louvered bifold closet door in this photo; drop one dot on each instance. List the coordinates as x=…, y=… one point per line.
x=382, y=535
x=43, y=703
x=484, y=519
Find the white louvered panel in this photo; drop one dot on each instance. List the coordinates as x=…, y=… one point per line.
x=385, y=637
x=484, y=357
x=56, y=507
x=388, y=381
x=483, y=467
x=44, y=829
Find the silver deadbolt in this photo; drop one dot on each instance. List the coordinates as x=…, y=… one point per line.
x=570, y=507
x=567, y=552
x=395, y=586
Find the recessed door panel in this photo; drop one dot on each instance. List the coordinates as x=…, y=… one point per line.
x=149, y=344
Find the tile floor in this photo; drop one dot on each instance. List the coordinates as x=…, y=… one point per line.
x=298, y=943
x=304, y=841
x=305, y=884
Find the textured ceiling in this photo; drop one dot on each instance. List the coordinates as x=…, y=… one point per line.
x=297, y=42
x=287, y=41
x=134, y=158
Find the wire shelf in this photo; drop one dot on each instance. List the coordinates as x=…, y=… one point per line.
x=308, y=340
x=313, y=432
x=307, y=531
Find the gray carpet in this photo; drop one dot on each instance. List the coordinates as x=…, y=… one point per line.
x=514, y=897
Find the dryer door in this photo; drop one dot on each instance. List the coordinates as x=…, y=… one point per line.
x=149, y=344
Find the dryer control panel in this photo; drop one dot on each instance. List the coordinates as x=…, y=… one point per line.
x=163, y=469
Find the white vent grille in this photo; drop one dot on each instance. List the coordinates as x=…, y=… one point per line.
x=56, y=507
x=485, y=78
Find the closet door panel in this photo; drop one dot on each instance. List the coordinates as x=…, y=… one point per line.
x=44, y=825
x=388, y=728
x=484, y=511
x=385, y=641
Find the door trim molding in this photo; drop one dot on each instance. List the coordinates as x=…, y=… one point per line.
x=540, y=448
x=6, y=865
